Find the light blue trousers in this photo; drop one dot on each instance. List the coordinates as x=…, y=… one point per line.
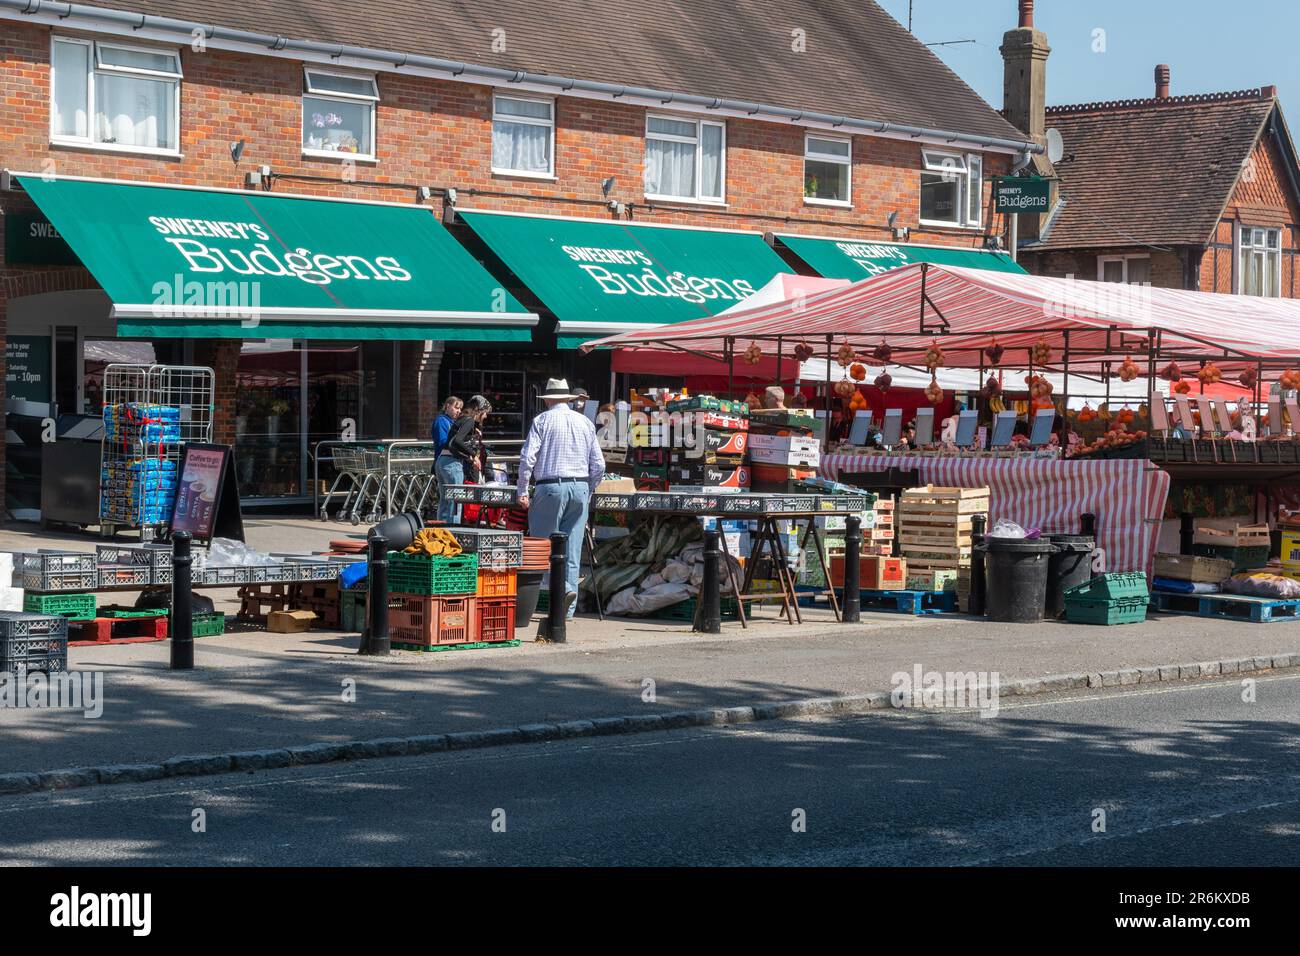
x=450, y=471
x=562, y=507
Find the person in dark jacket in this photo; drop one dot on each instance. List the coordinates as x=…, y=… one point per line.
x=460, y=460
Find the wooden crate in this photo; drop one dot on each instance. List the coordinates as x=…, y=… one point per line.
x=1187, y=567
x=936, y=500
x=1242, y=536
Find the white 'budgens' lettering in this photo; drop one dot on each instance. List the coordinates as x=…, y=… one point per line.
x=193, y=250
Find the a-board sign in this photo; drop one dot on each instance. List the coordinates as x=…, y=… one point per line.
x=207, y=499
x=1274, y=412
x=1040, y=433
x=591, y=408
x=858, y=430
x=1159, y=414
x=1207, y=413
x=893, y=429
x=1004, y=426
x=1292, y=414
x=924, y=426
x=966, y=423
x=1222, y=415
x=1183, y=412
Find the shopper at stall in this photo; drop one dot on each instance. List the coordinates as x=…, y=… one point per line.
x=563, y=459
x=444, y=423
x=459, y=461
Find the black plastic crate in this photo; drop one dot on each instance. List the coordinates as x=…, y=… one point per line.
x=701, y=504
x=24, y=624
x=54, y=664
x=742, y=504
x=28, y=648
x=654, y=501
x=487, y=539
x=611, y=501
x=59, y=571
x=789, y=504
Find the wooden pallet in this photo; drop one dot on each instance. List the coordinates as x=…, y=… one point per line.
x=936, y=500
x=117, y=630
x=900, y=602
x=1237, y=607
x=256, y=601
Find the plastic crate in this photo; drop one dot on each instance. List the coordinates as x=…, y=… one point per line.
x=496, y=619
x=207, y=625
x=422, y=574
x=54, y=664
x=30, y=648
x=138, y=576
x=148, y=555
x=487, y=539
x=500, y=559
x=1242, y=558
x=59, y=571
x=76, y=607
x=1116, y=611
x=352, y=610
x=497, y=584
x=685, y=610
x=1109, y=587
x=22, y=624
x=429, y=619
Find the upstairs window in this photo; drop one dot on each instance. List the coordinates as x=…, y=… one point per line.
x=1130, y=270
x=114, y=96
x=684, y=159
x=827, y=168
x=1260, y=262
x=338, y=114
x=952, y=188
x=523, y=136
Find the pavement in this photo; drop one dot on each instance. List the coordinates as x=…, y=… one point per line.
x=1181, y=775
x=254, y=690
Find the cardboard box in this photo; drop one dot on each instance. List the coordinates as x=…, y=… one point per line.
x=710, y=475
x=290, y=622
x=724, y=442
x=709, y=403
x=698, y=456
x=932, y=579
x=616, y=485
x=876, y=572
x=789, y=450
x=652, y=484
x=723, y=422
x=650, y=457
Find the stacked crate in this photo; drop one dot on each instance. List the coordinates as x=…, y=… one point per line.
x=431, y=601
x=33, y=643
x=878, y=536
x=500, y=555
x=1115, y=598
x=934, y=528
x=719, y=452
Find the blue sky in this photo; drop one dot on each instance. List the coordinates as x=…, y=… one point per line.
x=1209, y=46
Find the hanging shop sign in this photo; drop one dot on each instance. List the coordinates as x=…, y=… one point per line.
x=1022, y=194
x=27, y=367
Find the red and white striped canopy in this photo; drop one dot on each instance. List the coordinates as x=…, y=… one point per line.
x=964, y=308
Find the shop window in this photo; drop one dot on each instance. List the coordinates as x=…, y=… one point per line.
x=1131, y=270
x=114, y=96
x=338, y=114
x=684, y=159
x=1259, y=262
x=952, y=189
x=827, y=166
x=523, y=136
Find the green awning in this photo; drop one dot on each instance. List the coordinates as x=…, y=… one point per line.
x=181, y=262
x=856, y=259
x=600, y=277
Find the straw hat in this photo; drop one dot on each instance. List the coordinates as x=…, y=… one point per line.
x=557, y=389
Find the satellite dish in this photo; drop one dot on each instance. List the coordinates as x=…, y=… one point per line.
x=1055, y=146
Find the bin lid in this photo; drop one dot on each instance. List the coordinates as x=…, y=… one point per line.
x=1073, y=542
x=1023, y=545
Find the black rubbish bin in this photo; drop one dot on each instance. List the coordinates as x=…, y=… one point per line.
x=528, y=592
x=1015, y=579
x=1069, y=564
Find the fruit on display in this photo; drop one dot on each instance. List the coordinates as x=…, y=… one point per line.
x=1125, y=416
x=1086, y=414
x=1209, y=374
x=994, y=352
x=845, y=389
x=1171, y=372
x=883, y=381
x=882, y=353
x=1116, y=438
x=858, y=403
x=934, y=356
x=803, y=352
x=753, y=355
x=1248, y=377
x=1128, y=369
x=1041, y=353
x=933, y=392
x=845, y=355
x=858, y=371
x=1039, y=387
x=1289, y=380
x=753, y=401
x=1182, y=387
x=991, y=387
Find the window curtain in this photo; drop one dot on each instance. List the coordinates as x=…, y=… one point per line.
x=711, y=162
x=133, y=111
x=71, y=67
x=521, y=146
x=670, y=168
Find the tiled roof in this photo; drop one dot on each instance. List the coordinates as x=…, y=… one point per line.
x=1153, y=171
x=859, y=61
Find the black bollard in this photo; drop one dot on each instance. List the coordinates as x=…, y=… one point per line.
x=182, y=621
x=976, y=600
x=556, y=614
x=376, y=640
x=851, y=608
x=1186, y=533
x=710, y=616
x=1088, y=525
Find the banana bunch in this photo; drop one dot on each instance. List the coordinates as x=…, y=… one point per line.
x=996, y=404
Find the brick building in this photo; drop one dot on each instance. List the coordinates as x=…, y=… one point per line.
x=818, y=119
x=1198, y=192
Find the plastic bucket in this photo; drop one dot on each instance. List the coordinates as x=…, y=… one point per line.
x=1015, y=579
x=529, y=589
x=1068, y=565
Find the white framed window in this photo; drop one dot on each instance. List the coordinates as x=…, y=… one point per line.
x=338, y=114
x=1131, y=270
x=523, y=136
x=685, y=159
x=952, y=188
x=827, y=171
x=1259, y=261
x=115, y=96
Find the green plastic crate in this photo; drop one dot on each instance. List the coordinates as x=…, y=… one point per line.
x=421, y=574
x=132, y=612
x=1243, y=559
x=1117, y=611
x=75, y=607
x=209, y=625
x=352, y=610
x=1117, y=585
x=685, y=610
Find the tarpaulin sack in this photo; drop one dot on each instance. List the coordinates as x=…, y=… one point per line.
x=435, y=542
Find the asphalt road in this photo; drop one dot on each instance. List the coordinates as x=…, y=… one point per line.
x=1186, y=775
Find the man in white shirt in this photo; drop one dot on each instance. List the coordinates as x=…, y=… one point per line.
x=563, y=459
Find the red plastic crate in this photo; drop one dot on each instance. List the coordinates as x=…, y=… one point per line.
x=497, y=584
x=427, y=619
x=496, y=620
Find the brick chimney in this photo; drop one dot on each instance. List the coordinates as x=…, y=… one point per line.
x=1162, y=81
x=1024, y=74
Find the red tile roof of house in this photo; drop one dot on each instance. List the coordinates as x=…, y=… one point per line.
x=1156, y=171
